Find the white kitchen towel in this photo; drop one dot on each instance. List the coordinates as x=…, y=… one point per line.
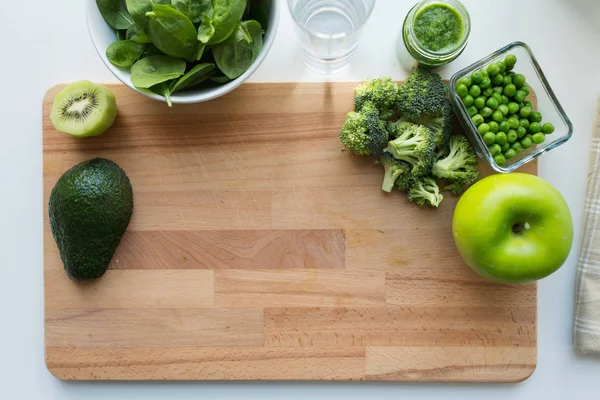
x=587, y=311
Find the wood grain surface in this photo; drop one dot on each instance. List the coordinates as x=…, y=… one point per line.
x=260, y=250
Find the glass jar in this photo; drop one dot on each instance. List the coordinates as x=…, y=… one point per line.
x=411, y=49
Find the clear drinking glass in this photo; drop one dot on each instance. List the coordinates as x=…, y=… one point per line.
x=329, y=31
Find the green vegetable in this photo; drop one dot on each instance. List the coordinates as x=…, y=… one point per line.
x=134, y=33
x=425, y=191
x=125, y=53
x=500, y=160
x=364, y=132
x=548, y=128
x=381, y=92
x=526, y=112
x=115, y=13
x=483, y=128
x=479, y=102
x=138, y=10
x=462, y=90
x=423, y=94
x=510, y=60
x=495, y=148
x=505, y=147
x=497, y=116
x=511, y=136
x=489, y=138
x=501, y=138
x=526, y=142
x=517, y=147
x=151, y=71
x=501, y=66
x=535, y=127
x=472, y=111
x=519, y=81
x=476, y=77
x=414, y=144
x=460, y=165
x=487, y=92
x=524, y=122
x=89, y=211
x=493, y=70
x=494, y=127
x=521, y=131
x=510, y=90
x=194, y=9
x=486, y=83
x=504, y=127
x=393, y=169
x=197, y=75
x=486, y=112
x=520, y=96
x=478, y=119
x=218, y=27
x=498, y=80
x=510, y=153
x=468, y=100
x=475, y=91
x=236, y=54
x=172, y=32
x=492, y=103
x=513, y=123
x=503, y=108
x=164, y=89
x=539, y=138
x=466, y=81
x=513, y=108
x=507, y=80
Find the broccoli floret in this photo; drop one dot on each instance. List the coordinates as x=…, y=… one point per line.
x=405, y=182
x=460, y=165
x=425, y=191
x=413, y=144
x=423, y=95
x=455, y=188
x=382, y=92
x=393, y=170
x=441, y=125
x=364, y=132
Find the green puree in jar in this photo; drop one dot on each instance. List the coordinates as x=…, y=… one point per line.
x=439, y=27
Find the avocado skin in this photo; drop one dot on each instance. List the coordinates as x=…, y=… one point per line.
x=90, y=208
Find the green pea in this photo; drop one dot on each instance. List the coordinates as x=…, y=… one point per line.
x=466, y=82
x=526, y=142
x=539, y=138
x=498, y=80
x=512, y=74
x=489, y=138
x=501, y=138
x=535, y=116
x=472, y=111
x=497, y=96
x=493, y=69
x=528, y=104
x=521, y=132
x=535, y=127
x=495, y=149
x=530, y=136
x=486, y=82
x=548, y=128
x=483, y=128
x=475, y=91
x=492, y=103
x=479, y=102
x=477, y=119
x=509, y=68
x=499, y=90
x=476, y=77
x=488, y=92
x=505, y=100
x=503, y=127
x=484, y=73
x=486, y=112
x=497, y=116
x=513, y=108
x=513, y=123
x=494, y=127
x=500, y=160
x=503, y=109
x=505, y=147
x=524, y=122
x=511, y=136
x=462, y=90
x=526, y=90
x=468, y=100
x=510, y=90
x=511, y=60
x=501, y=66
x=526, y=112
x=517, y=147
x=507, y=80
x=519, y=80
x=510, y=153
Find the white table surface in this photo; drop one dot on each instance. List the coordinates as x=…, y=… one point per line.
x=46, y=42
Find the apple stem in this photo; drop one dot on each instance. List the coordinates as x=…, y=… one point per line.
x=519, y=228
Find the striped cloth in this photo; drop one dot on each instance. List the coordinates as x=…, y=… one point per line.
x=587, y=311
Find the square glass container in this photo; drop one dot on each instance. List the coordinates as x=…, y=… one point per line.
x=545, y=102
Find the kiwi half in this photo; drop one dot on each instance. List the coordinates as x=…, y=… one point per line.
x=84, y=109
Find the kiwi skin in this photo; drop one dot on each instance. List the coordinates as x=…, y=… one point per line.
x=97, y=114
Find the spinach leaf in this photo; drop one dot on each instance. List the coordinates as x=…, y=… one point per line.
x=226, y=15
x=138, y=10
x=200, y=51
x=220, y=79
x=164, y=89
x=121, y=34
x=152, y=50
x=195, y=76
x=115, y=13
x=258, y=11
x=134, y=33
x=193, y=9
x=235, y=55
x=124, y=53
x=172, y=32
x=152, y=70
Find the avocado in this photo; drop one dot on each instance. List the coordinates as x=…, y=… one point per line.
x=90, y=208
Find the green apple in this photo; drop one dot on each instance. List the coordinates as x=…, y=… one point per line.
x=513, y=228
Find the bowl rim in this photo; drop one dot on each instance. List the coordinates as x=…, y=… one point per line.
x=469, y=126
x=123, y=75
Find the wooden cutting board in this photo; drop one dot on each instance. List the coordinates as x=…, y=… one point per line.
x=260, y=250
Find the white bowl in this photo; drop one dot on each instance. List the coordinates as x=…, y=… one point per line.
x=103, y=35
